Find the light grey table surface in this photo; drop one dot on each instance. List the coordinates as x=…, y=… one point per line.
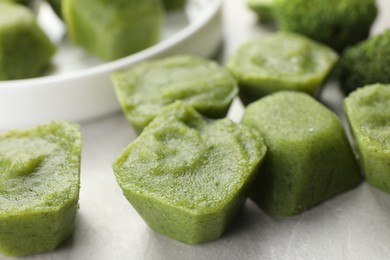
x=354, y=225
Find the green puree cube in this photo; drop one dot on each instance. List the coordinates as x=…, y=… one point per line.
x=113, y=29
x=368, y=113
x=24, y=48
x=145, y=88
x=186, y=175
x=280, y=61
x=39, y=187
x=309, y=158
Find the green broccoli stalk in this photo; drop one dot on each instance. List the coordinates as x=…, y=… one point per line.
x=366, y=63
x=263, y=8
x=336, y=23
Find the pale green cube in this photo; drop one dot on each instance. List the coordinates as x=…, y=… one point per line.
x=39, y=187
x=309, y=158
x=368, y=113
x=187, y=176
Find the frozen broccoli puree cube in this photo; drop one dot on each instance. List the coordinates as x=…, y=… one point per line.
x=280, y=61
x=263, y=8
x=147, y=87
x=336, y=23
x=39, y=187
x=186, y=175
x=309, y=158
x=171, y=5
x=24, y=48
x=368, y=113
x=113, y=29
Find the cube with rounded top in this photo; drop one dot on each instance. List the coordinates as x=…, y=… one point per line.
x=25, y=50
x=280, y=61
x=186, y=175
x=368, y=113
x=39, y=187
x=309, y=157
x=147, y=87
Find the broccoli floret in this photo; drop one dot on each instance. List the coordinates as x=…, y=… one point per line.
x=263, y=8
x=366, y=63
x=336, y=23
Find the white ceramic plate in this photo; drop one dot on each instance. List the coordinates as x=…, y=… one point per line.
x=79, y=87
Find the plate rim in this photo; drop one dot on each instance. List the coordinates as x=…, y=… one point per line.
x=169, y=43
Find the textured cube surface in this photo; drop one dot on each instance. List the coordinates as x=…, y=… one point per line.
x=187, y=176
x=280, y=61
x=309, y=158
x=39, y=187
x=368, y=113
x=24, y=48
x=113, y=29
x=145, y=88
